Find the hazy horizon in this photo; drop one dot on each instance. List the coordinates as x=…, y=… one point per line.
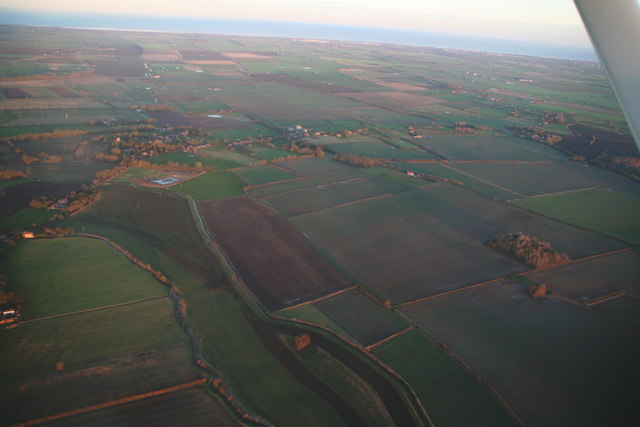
x=335, y=32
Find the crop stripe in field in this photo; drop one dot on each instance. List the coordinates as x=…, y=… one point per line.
x=121, y=401
x=351, y=202
x=606, y=298
x=483, y=181
x=575, y=261
x=266, y=184
x=358, y=178
x=454, y=291
x=389, y=338
x=90, y=310
x=319, y=299
x=559, y=192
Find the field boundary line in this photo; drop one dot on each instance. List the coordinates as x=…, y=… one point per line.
x=90, y=310
x=350, y=202
x=389, y=338
x=575, y=190
x=469, y=369
x=121, y=401
x=357, y=178
x=454, y=291
x=606, y=298
x=313, y=301
x=266, y=184
x=483, y=181
x=574, y=261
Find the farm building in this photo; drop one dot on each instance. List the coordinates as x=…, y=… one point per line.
x=8, y=313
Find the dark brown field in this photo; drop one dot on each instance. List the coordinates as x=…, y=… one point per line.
x=273, y=258
x=15, y=93
x=591, y=142
x=18, y=196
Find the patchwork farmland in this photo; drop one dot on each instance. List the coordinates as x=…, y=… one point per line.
x=422, y=237
x=267, y=231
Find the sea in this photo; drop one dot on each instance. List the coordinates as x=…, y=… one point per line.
x=296, y=30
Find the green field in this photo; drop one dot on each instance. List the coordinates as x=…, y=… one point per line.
x=450, y=394
x=59, y=276
x=33, y=349
x=310, y=313
x=554, y=362
x=229, y=155
x=265, y=174
x=191, y=160
x=26, y=218
x=255, y=376
x=607, y=212
x=360, y=395
x=156, y=226
x=212, y=185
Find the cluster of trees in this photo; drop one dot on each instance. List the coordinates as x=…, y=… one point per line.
x=356, y=160
x=535, y=134
x=528, y=250
x=464, y=128
x=629, y=166
x=75, y=201
x=40, y=157
x=42, y=202
x=539, y=291
x=304, y=147
x=10, y=174
x=557, y=117
x=80, y=200
x=57, y=133
x=301, y=342
x=54, y=232
x=198, y=166
x=107, y=174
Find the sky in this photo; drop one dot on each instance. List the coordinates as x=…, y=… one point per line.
x=546, y=21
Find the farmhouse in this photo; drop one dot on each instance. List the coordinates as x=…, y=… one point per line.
x=8, y=313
